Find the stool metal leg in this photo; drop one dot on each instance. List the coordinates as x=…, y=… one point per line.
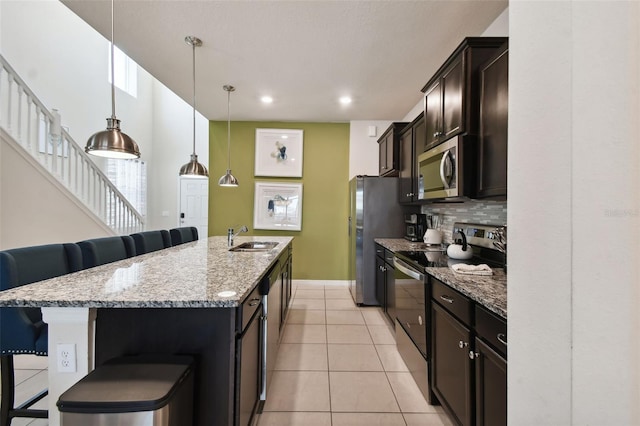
x=8, y=389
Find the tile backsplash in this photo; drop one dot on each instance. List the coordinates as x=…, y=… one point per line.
x=470, y=211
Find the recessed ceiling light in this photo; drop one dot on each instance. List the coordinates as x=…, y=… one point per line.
x=345, y=100
x=266, y=99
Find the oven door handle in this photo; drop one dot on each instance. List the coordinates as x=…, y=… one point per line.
x=406, y=269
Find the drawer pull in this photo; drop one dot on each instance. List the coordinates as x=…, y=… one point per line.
x=502, y=338
x=447, y=299
x=254, y=301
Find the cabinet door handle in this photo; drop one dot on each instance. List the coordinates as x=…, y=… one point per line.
x=474, y=355
x=254, y=301
x=462, y=344
x=502, y=338
x=447, y=299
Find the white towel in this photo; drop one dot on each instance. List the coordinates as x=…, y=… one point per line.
x=463, y=268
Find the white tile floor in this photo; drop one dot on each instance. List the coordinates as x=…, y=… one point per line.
x=338, y=366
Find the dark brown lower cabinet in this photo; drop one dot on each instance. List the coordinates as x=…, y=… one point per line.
x=491, y=386
x=451, y=365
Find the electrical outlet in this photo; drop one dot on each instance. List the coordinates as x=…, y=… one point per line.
x=66, y=357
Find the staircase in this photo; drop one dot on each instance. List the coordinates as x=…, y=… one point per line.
x=39, y=133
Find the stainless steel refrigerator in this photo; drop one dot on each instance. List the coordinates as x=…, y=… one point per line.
x=375, y=213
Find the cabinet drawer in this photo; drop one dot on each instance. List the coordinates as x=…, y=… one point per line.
x=388, y=256
x=492, y=329
x=453, y=301
x=249, y=306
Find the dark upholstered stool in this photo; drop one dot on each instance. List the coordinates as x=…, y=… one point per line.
x=21, y=329
x=99, y=251
x=149, y=241
x=183, y=235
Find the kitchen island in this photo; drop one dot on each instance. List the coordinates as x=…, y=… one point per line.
x=187, y=299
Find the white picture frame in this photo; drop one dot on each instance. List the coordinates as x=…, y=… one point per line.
x=279, y=152
x=277, y=206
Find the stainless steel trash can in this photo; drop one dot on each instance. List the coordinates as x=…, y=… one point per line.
x=132, y=391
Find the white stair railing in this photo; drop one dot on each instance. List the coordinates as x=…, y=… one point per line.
x=38, y=131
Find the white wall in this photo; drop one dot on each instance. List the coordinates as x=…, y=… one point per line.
x=574, y=213
x=35, y=209
x=363, y=149
x=68, y=70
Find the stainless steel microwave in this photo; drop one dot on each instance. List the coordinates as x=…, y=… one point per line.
x=446, y=170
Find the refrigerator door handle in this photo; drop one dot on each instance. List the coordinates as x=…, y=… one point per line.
x=349, y=226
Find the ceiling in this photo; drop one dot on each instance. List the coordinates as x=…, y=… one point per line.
x=305, y=54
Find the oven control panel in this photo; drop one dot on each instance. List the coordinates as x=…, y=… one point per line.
x=480, y=235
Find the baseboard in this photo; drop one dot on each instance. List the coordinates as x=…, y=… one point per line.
x=336, y=283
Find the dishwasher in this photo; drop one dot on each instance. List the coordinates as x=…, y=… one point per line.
x=271, y=291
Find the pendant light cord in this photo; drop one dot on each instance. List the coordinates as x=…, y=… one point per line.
x=229, y=129
x=194, y=97
x=113, y=83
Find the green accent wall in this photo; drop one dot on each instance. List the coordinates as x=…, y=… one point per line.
x=320, y=249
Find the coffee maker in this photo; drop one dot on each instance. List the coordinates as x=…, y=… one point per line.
x=415, y=226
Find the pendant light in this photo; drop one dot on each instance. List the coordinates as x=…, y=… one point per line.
x=193, y=168
x=228, y=179
x=112, y=143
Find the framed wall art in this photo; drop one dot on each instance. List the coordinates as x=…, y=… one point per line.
x=278, y=152
x=278, y=206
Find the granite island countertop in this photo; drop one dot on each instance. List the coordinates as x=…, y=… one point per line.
x=192, y=275
x=488, y=291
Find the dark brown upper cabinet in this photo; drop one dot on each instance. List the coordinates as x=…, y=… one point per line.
x=452, y=102
x=388, y=148
x=412, y=140
x=492, y=138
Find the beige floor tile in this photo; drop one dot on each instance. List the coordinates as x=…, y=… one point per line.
x=306, y=316
x=354, y=334
x=367, y=419
x=391, y=359
x=30, y=362
x=302, y=356
x=408, y=395
x=337, y=293
x=31, y=387
x=305, y=333
x=310, y=294
x=431, y=419
x=294, y=418
x=307, y=303
x=381, y=335
x=340, y=304
x=365, y=392
x=309, y=286
x=298, y=391
x=336, y=284
x=345, y=317
x=353, y=358
x=373, y=316
x=22, y=375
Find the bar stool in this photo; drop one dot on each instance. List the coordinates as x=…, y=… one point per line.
x=183, y=235
x=149, y=241
x=98, y=251
x=21, y=329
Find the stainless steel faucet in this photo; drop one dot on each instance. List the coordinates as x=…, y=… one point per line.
x=231, y=235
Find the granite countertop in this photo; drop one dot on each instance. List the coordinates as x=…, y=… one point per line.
x=488, y=291
x=190, y=275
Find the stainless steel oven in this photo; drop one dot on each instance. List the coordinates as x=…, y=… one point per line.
x=411, y=317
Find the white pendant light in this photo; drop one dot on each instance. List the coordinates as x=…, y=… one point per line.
x=228, y=179
x=193, y=168
x=112, y=143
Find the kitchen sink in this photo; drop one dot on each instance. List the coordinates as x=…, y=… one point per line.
x=255, y=246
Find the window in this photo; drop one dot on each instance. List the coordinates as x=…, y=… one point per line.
x=130, y=177
x=125, y=71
